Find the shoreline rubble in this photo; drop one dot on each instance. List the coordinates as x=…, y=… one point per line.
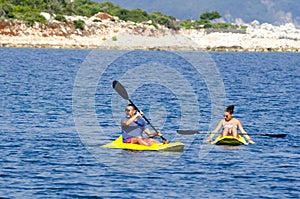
x=109, y=33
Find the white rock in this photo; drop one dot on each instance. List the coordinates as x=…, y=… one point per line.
x=63, y=29
x=255, y=23
x=46, y=15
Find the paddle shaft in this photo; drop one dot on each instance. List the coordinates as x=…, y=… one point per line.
x=164, y=139
x=192, y=132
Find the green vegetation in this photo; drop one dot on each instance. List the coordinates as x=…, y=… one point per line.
x=208, y=16
x=29, y=11
x=60, y=18
x=78, y=24
x=206, y=21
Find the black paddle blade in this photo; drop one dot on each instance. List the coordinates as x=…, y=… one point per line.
x=189, y=132
x=120, y=89
x=275, y=135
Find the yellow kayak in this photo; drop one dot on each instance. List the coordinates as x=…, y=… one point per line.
x=230, y=140
x=119, y=144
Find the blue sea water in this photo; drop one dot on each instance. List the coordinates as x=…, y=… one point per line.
x=58, y=108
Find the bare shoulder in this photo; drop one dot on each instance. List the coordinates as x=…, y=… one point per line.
x=237, y=121
x=222, y=121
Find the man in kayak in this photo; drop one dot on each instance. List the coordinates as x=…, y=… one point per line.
x=133, y=126
x=230, y=126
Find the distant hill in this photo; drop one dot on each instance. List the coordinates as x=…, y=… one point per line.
x=275, y=12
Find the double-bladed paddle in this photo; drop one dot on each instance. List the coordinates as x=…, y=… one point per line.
x=192, y=132
x=123, y=93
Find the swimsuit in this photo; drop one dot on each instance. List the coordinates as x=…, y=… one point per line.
x=129, y=140
x=230, y=126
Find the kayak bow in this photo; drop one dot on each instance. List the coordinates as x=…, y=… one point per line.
x=229, y=140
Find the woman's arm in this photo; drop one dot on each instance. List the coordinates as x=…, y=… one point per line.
x=214, y=132
x=240, y=126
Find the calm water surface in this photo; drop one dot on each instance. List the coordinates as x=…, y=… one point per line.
x=51, y=128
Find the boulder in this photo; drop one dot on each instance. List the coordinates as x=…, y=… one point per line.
x=46, y=15
x=103, y=16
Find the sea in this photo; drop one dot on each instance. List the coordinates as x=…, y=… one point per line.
x=58, y=107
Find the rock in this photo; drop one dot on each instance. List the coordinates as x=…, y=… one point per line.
x=255, y=23
x=46, y=15
x=130, y=35
x=103, y=16
x=63, y=29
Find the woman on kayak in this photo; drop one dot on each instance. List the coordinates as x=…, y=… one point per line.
x=230, y=126
x=133, y=126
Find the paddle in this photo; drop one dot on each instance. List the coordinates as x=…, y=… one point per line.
x=192, y=132
x=123, y=93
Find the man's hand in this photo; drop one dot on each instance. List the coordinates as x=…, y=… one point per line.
x=159, y=133
x=139, y=113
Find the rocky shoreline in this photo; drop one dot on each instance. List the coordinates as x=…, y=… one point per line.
x=108, y=33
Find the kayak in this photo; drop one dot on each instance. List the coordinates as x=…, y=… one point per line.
x=230, y=140
x=119, y=144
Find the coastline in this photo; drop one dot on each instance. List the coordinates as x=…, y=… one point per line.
x=120, y=35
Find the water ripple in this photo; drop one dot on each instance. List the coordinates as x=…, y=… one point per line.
x=42, y=155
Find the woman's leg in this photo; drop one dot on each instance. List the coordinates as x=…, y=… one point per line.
x=234, y=132
x=225, y=132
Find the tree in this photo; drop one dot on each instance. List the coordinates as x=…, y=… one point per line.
x=136, y=15
x=209, y=16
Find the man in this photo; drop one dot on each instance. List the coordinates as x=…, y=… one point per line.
x=133, y=126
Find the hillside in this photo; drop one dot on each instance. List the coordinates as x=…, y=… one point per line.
x=29, y=11
x=276, y=12
x=103, y=31
x=90, y=25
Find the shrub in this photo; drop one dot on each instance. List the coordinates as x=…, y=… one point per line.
x=187, y=24
x=208, y=25
x=97, y=20
x=244, y=27
x=30, y=19
x=8, y=11
x=79, y=24
x=60, y=18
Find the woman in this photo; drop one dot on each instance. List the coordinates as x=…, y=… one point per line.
x=230, y=126
x=133, y=126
